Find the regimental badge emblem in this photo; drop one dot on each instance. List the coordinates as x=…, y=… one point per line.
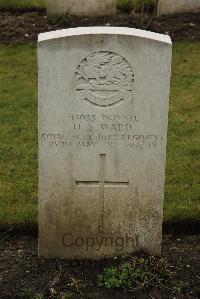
x=104, y=79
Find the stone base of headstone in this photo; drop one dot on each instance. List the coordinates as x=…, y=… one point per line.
x=81, y=7
x=167, y=7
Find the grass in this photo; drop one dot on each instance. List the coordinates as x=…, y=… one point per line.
x=182, y=192
x=13, y=4
x=124, y=5
x=18, y=138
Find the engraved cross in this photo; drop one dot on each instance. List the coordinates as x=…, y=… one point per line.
x=101, y=184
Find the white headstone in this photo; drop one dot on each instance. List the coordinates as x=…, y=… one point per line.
x=81, y=7
x=103, y=114
x=167, y=7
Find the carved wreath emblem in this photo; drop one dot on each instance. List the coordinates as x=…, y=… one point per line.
x=104, y=78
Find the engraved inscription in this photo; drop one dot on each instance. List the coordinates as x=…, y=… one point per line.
x=104, y=79
x=81, y=141
x=111, y=130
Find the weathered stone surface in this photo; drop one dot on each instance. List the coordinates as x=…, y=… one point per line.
x=103, y=114
x=166, y=7
x=81, y=7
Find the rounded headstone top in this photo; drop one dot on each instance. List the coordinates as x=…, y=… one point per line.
x=104, y=30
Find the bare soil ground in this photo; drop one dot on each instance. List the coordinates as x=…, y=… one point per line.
x=22, y=273
x=24, y=25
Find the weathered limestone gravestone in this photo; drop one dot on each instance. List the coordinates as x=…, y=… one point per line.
x=103, y=114
x=166, y=7
x=81, y=7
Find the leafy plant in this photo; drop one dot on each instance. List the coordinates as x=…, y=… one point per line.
x=177, y=288
x=146, y=5
x=137, y=274
x=114, y=277
x=127, y=6
x=29, y=293
x=62, y=21
x=125, y=275
x=67, y=295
